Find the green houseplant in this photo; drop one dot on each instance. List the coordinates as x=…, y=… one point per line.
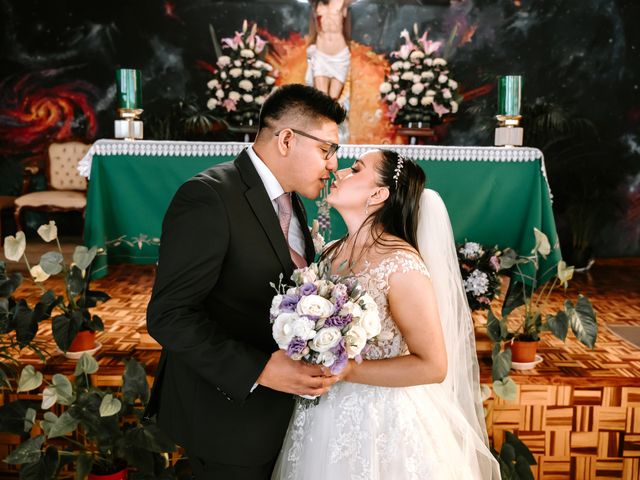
x=528, y=300
x=74, y=320
x=97, y=431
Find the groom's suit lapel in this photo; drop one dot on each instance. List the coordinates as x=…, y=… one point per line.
x=262, y=207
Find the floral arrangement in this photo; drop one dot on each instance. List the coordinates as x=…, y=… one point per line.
x=243, y=79
x=479, y=267
x=418, y=87
x=323, y=319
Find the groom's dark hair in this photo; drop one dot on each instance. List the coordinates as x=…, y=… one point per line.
x=299, y=101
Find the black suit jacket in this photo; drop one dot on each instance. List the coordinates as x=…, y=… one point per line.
x=221, y=246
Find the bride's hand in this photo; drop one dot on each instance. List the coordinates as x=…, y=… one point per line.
x=343, y=376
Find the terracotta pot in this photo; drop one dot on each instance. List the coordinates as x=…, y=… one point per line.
x=85, y=340
x=523, y=352
x=121, y=475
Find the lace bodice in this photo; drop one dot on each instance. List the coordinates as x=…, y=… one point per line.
x=375, y=280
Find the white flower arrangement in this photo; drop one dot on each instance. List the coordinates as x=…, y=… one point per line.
x=242, y=80
x=418, y=87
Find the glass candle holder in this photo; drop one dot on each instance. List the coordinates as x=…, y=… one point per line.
x=509, y=95
x=129, y=94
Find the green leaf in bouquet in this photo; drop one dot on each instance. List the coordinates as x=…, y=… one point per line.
x=51, y=263
x=501, y=364
x=65, y=330
x=583, y=321
x=27, y=452
x=506, y=389
x=109, y=405
x=29, y=380
x=558, y=324
x=63, y=425
x=86, y=365
x=82, y=256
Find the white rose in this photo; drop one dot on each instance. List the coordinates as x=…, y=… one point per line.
x=247, y=73
x=237, y=63
x=350, y=308
x=219, y=93
x=442, y=78
x=391, y=97
x=270, y=80
x=355, y=340
x=431, y=93
x=247, y=98
x=453, y=84
x=223, y=61
x=446, y=93
x=396, y=65
x=308, y=275
x=256, y=73
x=324, y=287
x=282, y=328
x=439, y=61
x=211, y=84
x=259, y=63
x=223, y=75
x=326, y=358
x=407, y=76
x=304, y=328
x=416, y=78
x=401, y=101
x=417, y=88
x=235, y=72
x=212, y=103
x=267, y=67
x=326, y=339
x=416, y=54
x=454, y=106
x=275, y=305
x=246, y=85
x=260, y=100
x=235, y=96
x=406, y=65
x=370, y=322
x=413, y=101
x=429, y=75
x=426, y=101
x=428, y=62
x=315, y=306
x=394, y=78
x=291, y=291
x=385, y=87
x=246, y=53
x=367, y=302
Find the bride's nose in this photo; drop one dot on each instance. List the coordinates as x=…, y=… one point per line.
x=340, y=174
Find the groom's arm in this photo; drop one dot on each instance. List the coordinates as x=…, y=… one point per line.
x=195, y=237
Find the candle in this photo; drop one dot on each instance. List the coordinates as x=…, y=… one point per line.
x=129, y=88
x=509, y=91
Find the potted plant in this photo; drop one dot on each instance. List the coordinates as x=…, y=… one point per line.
x=97, y=433
x=528, y=299
x=74, y=327
x=515, y=459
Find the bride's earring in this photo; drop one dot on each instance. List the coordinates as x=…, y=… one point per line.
x=366, y=206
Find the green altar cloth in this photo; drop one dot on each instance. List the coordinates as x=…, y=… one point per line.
x=495, y=196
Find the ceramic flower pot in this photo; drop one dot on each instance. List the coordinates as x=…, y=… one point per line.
x=121, y=475
x=85, y=340
x=523, y=352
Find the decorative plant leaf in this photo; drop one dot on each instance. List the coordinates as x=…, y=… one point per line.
x=508, y=453
x=92, y=298
x=44, y=469
x=543, y=247
x=48, y=231
x=49, y=398
x=86, y=364
x=12, y=415
x=9, y=284
x=134, y=383
x=151, y=438
x=583, y=321
x=83, y=466
x=523, y=470
x=96, y=324
x=508, y=258
x=109, y=406
x=558, y=324
x=506, y=389
x=83, y=257
x=501, y=364
x=27, y=452
x=14, y=246
x=521, y=449
x=29, y=379
x=49, y=419
x=63, y=388
x=513, y=298
x=45, y=305
x=64, y=331
x=64, y=424
x=493, y=327
x=51, y=262
x=26, y=326
x=75, y=281
x=29, y=419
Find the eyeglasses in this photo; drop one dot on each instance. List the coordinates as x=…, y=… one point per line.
x=333, y=147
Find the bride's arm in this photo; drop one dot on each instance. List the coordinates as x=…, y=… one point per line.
x=413, y=306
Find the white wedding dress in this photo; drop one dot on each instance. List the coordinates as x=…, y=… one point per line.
x=363, y=432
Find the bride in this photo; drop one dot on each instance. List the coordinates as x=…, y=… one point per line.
x=411, y=409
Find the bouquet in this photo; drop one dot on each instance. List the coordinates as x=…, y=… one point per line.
x=479, y=267
x=418, y=87
x=323, y=319
x=243, y=79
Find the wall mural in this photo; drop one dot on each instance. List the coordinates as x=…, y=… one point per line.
x=579, y=59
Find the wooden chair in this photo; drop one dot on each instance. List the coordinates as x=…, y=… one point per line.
x=66, y=187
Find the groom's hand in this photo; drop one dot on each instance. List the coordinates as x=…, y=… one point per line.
x=286, y=375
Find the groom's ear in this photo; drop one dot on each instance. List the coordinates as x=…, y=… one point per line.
x=379, y=196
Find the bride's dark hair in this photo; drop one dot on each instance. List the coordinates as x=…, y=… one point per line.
x=398, y=215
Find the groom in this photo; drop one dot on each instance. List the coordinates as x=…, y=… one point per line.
x=223, y=389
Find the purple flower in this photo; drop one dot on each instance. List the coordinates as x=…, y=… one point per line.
x=350, y=283
x=296, y=346
x=338, y=321
x=308, y=289
x=341, y=358
x=289, y=303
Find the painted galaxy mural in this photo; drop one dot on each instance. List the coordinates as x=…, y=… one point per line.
x=580, y=61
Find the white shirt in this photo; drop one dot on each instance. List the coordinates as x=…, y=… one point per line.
x=274, y=190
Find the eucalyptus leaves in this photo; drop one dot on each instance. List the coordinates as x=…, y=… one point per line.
x=74, y=316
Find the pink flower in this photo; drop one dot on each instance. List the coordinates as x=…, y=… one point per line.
x=495, y=263
x=260, y=44
x=439, y=109
x=229, y=104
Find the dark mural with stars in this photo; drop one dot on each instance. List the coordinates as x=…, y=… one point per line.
x=580, y=60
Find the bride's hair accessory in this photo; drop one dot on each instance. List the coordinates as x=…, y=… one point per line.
x=398, y=169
